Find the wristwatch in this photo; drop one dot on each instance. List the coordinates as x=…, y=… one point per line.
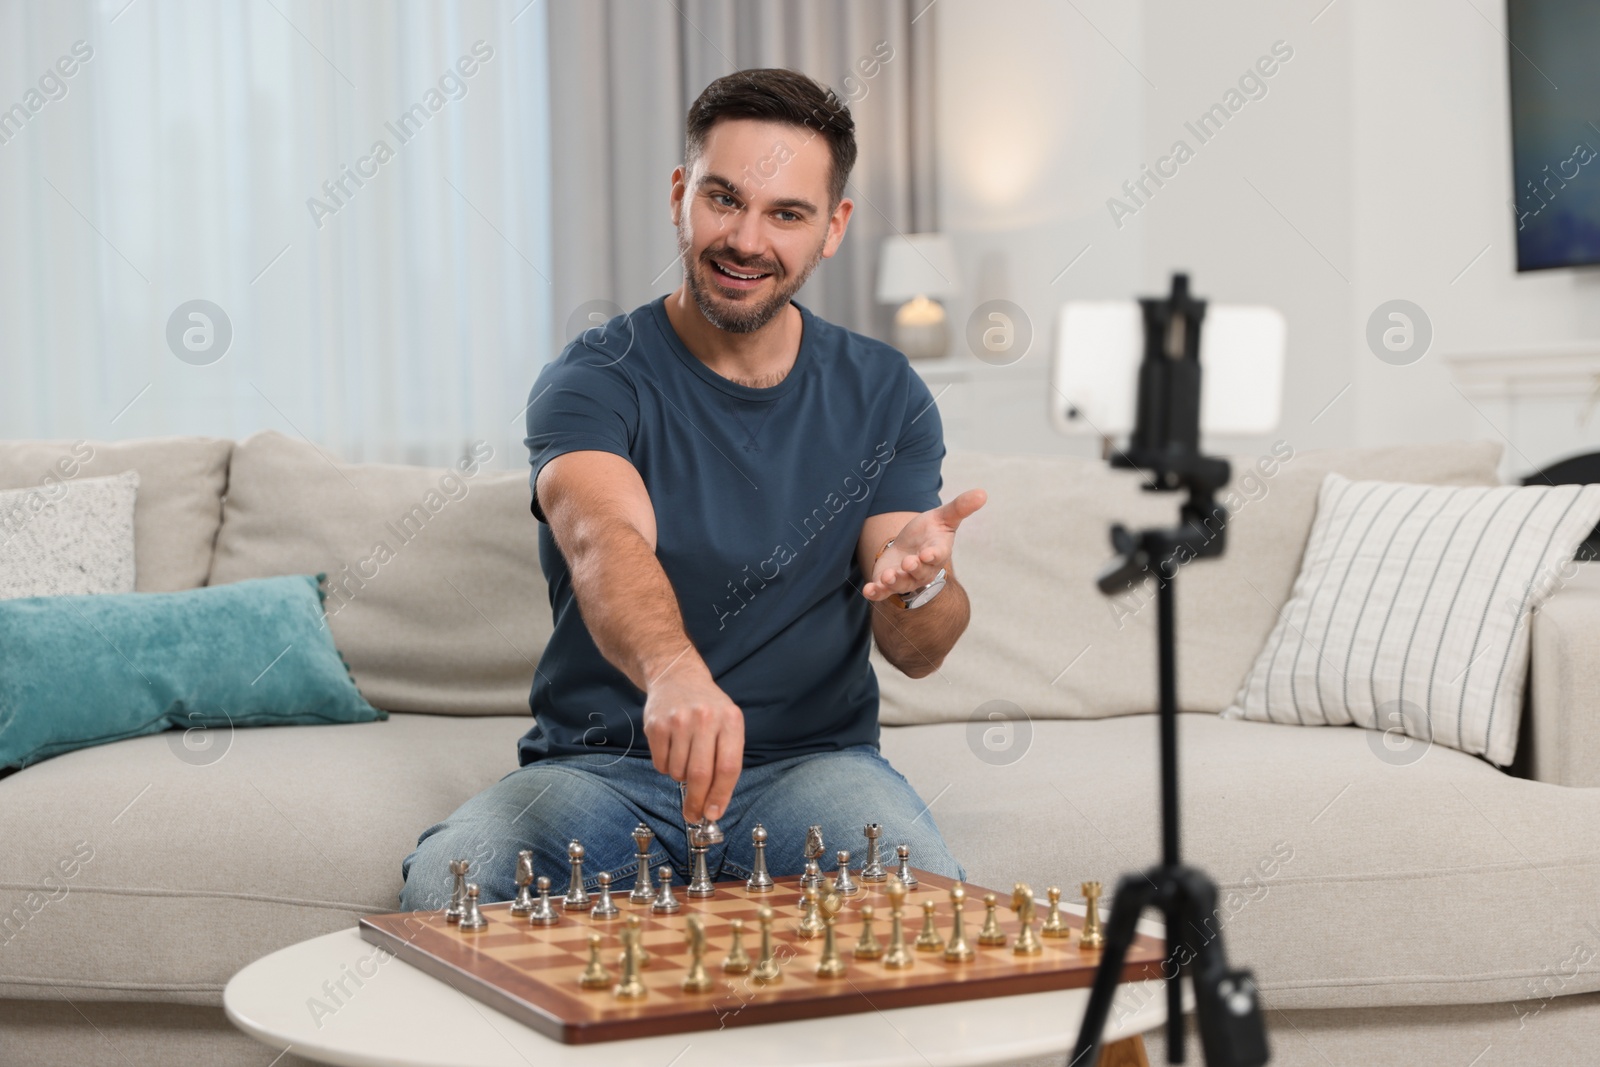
x=920, y=595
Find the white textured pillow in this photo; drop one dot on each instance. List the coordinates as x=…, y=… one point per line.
x=68, y=537
x=1410, y=610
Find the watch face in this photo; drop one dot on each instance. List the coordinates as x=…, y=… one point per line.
x=926, y=593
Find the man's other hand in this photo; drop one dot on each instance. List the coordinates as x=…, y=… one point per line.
x=696, y=735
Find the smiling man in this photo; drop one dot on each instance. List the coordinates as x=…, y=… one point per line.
x=735, y=499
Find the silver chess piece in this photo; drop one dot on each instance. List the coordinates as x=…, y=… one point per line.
x=700, y=884
x=873, y=870
x=577, y=898
x=665, y=902
x=523, y=904
x=903, y=853
x=811, y=879
x=472, y=918
x=544, y=913
x=760, y=881
x=643, y=837
x=813, y=852
x=458, y=893
x=604, y=906
x=843, y=884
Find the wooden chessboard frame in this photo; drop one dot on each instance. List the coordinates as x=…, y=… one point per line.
x=548, y=998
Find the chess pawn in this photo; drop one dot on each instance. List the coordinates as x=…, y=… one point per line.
x=957, y=950
x=868, y=947
x=604, y=906
x=665, y=903
x=811, y=879
x=760, y=881
x=698, y=980
x=643, y=892
x=738, y=960
x=1054, y=924
x=831, y=964
x=631, y=987
x=700, y=884
x=767, y=971
x=811, y=920
x=1022, y=902
x=472, y=918
x=843, y=884
x=595, y=976
x=898, y=956
x=928, y=940
x=1093, y=936
x=903, y=855
x=523, y=904
x=577, y=898
x=873, y=870
x=991, y=934
x=543, y=913
x=458, y=892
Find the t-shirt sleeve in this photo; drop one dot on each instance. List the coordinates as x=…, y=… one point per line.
x=911, y=478
x=578, y=403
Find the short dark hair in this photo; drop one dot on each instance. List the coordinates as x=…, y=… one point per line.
x=774, y=94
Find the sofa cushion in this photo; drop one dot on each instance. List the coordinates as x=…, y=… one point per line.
x=179, y=506
x=1044, y=643
x=78, y=544
x=435, y=594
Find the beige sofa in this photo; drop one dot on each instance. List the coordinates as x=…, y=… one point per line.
x=1395, y=909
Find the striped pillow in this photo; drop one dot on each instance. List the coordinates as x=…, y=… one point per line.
x=1410, y=607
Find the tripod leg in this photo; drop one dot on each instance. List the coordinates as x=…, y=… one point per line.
x=1134, y=894
x=1226, y=1005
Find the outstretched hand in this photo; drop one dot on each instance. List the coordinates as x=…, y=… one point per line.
x=922, y=547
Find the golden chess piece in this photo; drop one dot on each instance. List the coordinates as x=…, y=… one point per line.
x=631, y=987
x=957, y=950
x=868, y=947
x=1093, y=935
x=698, y=980
x=738, y=961
x=928, y=939
x=767, y=970
x=1022, y=902
x=831, y=965
x=595, y=976
x=898, y=956
x=810, y=920
x=991, y=934
x=1054, y=924
x=641, y=955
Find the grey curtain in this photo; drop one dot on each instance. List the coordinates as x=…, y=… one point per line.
x=623, y=74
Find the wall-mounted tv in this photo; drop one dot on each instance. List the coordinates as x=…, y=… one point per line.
x=1554, y=56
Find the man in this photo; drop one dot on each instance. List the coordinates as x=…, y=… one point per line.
x=716, y=475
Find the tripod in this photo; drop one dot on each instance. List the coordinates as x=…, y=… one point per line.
x=1165, y=441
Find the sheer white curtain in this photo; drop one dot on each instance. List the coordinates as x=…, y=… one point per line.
x=395, y=313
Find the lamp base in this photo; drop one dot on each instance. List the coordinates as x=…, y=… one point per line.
x=919, y=329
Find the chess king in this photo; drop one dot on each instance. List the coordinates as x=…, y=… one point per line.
x=733, y=499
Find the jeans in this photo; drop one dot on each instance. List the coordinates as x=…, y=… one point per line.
x=599, y=799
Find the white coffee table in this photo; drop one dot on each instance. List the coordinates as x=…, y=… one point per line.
x=401, y=1017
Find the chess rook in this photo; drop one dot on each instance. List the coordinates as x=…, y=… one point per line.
x=873, y=870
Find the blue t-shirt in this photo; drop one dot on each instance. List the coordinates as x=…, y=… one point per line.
x=760, y=496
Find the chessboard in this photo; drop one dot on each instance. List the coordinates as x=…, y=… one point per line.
x=532, y=973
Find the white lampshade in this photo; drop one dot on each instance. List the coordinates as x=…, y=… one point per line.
x=917, y=264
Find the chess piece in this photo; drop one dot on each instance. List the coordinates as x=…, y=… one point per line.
x=928, y=939
x=641, y=955
x=544, y=912
x=698, y=980
x=868, y=947
x=665, y=903
x=843, y=884
x=903, y=853
x=811, y=878
x=1054, y=924
x=899, y=956
x=1022, y=902
x=957, y=950
x=631, y=987
x=458, y=893
x=643, y=836
x=604, y=906
x=472, y=918
x=595, y=976
x=813, y=853
x=705, y=828
x=1093, y=936
x=760, y=881
x=767, y=971
x=811, y=919
x=577, y=898
x=831, y=964
x=738, y=960
x=991, y=934
x=873, y=870
x=523, y=904
x=700, y=884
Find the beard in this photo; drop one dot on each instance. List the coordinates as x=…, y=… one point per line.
x=743, y=313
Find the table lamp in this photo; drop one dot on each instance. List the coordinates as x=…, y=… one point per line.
x=916, y=271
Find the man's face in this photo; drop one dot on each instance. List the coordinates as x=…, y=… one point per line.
x=753, y=219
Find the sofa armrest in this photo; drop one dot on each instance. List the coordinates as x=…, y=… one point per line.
x=1564, y=683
